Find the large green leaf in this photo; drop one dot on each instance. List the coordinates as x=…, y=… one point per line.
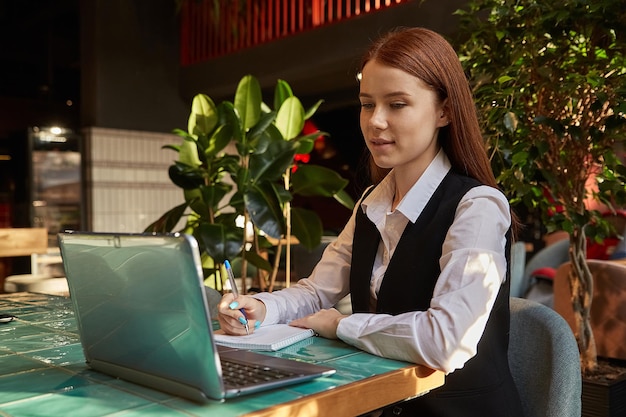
x=182, y=133
x=272, y=164
x=262, y=203
x=237, y=203
x=171, y=147
x=194, y=199
x=257, y=260
x=212, y=194
x=188, y=153
x=264, y=122
x=344, y=199
x=167, y=221
x=258, y=138
x=220, y=241
x=230, y=117
x=315, y=180
x=203, y=117
x=248, y=101
x=290, y=118
x=220, y=140
x=307, y=227
x=273, y=133
x=311, y=110
x=283, y=194
x=281, y=93
x=184, y=176
x=306, y=143
x=202, y=144
x=259, y=144
x=225, y=163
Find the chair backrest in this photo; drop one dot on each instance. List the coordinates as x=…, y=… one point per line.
x=544, y=361
x=518, y=262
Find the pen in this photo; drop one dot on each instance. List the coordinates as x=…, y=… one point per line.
x=233, y=286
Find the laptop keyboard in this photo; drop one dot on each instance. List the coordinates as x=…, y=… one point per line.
x=238, y=374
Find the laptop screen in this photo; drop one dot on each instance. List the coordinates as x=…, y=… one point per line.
x=141, y=308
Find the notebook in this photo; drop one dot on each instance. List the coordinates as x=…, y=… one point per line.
x=273, y=337
x=142, y=316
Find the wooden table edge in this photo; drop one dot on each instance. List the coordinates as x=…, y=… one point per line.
x=373, y=393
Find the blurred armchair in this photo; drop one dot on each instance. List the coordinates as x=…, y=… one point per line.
x=608, y=307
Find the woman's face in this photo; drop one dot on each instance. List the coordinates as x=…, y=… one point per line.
x=400, y=118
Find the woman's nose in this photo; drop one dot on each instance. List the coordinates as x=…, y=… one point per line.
x=378, y=119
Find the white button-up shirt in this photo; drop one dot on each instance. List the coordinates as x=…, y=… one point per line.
x=472, y=263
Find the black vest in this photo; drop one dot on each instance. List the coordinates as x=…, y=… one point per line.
x=484, y=386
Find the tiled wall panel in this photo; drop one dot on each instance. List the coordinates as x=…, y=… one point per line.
x=126, y=178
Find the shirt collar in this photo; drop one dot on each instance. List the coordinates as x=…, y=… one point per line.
x=378, y=202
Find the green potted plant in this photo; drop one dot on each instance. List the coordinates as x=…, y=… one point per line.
x=238, y=203
x=549, y=83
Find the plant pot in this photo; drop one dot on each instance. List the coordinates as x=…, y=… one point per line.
x=605, y=397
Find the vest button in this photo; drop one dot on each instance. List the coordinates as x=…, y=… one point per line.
x=397, y=411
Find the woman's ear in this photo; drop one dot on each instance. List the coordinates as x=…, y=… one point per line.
x=444, y=118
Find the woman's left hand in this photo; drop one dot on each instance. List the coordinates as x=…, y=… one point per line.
x=324, y=322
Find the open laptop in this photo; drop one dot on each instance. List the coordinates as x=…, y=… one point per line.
x=142, y=316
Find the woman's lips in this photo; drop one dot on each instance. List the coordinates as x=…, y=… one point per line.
x=380, y=142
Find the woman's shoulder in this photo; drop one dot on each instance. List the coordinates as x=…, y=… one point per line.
x=486, y=199
x=487, y=191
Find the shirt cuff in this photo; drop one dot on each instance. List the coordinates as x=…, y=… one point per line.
x=348, y=329
x=271, y=308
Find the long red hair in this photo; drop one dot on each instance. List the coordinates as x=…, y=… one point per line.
x=429, y=57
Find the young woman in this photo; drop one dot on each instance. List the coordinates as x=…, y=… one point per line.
x=425, y=253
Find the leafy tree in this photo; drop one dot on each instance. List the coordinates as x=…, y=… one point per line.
x=549, y=79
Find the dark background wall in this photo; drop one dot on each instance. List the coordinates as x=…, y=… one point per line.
x=39, y=64
x=115, y=64
x=319, y=63
x=129, y=65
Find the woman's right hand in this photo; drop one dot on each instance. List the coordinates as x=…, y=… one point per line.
x=232, y=319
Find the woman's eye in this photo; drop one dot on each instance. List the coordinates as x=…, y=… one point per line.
x=397, y=105
x=367, y=106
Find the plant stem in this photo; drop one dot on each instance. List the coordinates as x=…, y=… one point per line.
x=581, y=286
x=288, y=234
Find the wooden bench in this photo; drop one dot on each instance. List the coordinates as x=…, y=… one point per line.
x=21, y=242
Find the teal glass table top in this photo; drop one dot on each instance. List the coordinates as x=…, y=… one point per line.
x=43, y=370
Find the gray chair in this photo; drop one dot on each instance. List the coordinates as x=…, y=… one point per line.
x=544, y=361
x=213, y=298
x=551, y=256
x=518, y=263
